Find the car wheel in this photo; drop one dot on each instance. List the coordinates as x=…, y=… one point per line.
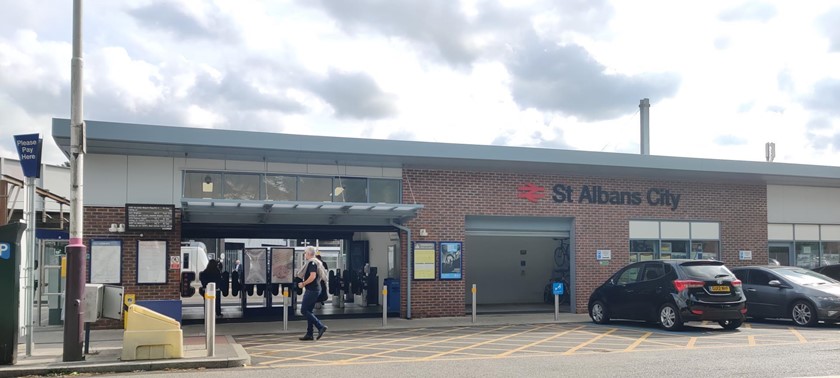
x=598, y=313
x=804, y=314
x=669, y=317
x=731, y=324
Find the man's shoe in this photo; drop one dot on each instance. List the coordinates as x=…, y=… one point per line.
x=309, y=337
x=321, y=332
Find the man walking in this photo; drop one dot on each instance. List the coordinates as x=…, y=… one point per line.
x=312, y=273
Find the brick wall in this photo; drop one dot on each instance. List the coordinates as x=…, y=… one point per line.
x=449, y=196
x=97, y=222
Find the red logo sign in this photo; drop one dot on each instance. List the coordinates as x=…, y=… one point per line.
x=531, y=192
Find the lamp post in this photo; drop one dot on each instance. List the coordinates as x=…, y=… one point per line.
x=76, y=269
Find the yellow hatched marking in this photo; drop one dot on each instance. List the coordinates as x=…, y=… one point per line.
x=590, y=341
x=802, y=339
x=427, y=344
x=355, y=347
x=483, y=343
x=535, y=343
x=637, y=342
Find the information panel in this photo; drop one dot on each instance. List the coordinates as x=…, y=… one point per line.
x=105, y=261
x=151, y=261
x=144, y=217
x=282, y=265
x=424, y=260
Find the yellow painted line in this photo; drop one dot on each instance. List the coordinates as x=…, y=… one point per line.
x=751, y=340
x=802, y=339
x=592, y=340
x=637, y=342
x=535, y=343
x=691, y=343
x=484, y=342
x=433, y=342
x=362, y=346
x=747, y=325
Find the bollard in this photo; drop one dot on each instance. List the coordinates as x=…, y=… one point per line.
x=473, y=303
x=556, y=307
x=285, y=308
x=210, y=318
x=384, y=306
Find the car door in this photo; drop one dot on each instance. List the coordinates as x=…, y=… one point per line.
x=649, y=291
x=763, y=300
x=623, y=292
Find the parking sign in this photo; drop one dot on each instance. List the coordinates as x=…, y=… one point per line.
x=5, y=251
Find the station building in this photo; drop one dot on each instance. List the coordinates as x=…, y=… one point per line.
x=438, y=218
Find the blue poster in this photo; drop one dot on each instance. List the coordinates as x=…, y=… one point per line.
x=450, y=260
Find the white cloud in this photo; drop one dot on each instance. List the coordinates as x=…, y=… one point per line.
x=736, y=75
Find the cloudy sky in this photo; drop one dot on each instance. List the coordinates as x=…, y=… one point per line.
x=723, y=77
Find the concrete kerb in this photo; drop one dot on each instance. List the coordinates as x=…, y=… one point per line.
x=106, y=360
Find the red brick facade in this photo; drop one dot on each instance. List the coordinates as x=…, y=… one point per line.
x=449, y=196
x=97, y=222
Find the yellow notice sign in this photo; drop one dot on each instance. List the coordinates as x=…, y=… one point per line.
x=424, y=260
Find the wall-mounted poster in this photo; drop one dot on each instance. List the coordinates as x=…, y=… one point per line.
x=105, y=261
x=450, y=260
x=255, y=264
x=282, y=265
x=151, y=261
x=424, y=260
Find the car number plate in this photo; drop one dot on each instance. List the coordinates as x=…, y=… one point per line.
x=719, y=289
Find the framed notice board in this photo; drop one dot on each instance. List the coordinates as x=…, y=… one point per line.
x=151, y=261
x=146, y=217
x=105, y=261
x=424, y=260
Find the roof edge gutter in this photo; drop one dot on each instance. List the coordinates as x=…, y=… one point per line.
x=408, y=267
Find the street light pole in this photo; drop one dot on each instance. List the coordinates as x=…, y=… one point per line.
x=76, y=269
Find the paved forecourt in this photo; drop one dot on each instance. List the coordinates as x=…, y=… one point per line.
x=514, y=340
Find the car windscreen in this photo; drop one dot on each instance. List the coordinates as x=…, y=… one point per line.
x=804, y=276
x=705, y=271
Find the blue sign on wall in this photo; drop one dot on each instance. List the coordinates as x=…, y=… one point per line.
x=5, y=251
x=558, y=288
x=28, y=147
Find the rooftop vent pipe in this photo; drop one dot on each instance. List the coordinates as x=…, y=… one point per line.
x=644, y=112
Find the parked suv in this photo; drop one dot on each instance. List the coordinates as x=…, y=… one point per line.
x=671, y=292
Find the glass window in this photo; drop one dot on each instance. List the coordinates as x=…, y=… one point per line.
x=760, y=277
x=350, y=189
x=385, y=190
x=705, y=250
x=242, y=186
x=653, y=271
x=202, y=185
x=780, y=254
x=807, y=254
x=643, y=250
x=673, y=249
x=280, y=188
x=831, y=253
x=805, y=276
x=629, y=276
x=317, y=189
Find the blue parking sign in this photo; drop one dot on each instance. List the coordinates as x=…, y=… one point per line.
x=5, y=251
x=557, y=287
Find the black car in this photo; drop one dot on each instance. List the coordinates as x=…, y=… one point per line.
x=671, y=292
x=790, y=292
x=832, y=271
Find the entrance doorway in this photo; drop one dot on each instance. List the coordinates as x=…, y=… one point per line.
x=513, y=262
